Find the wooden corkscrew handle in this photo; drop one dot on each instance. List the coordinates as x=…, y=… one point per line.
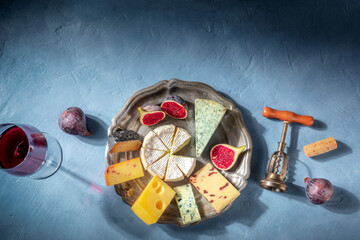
x=288, y=116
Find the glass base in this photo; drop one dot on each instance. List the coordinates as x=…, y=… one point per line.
x=53, y=159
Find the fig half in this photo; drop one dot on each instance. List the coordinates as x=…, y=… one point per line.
x=149, y=118
x=175, y=107
x=224, y=156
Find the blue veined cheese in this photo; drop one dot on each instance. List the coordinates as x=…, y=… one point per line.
x=185, y=200
x=208, y=115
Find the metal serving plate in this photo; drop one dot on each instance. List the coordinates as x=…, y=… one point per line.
x=231, y=130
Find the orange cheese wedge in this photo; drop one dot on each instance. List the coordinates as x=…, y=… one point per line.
x=123, y=171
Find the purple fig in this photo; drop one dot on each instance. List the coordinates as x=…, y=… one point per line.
x=318, y=190
x=73, y=121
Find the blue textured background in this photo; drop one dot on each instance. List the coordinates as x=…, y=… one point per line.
x=301, y=56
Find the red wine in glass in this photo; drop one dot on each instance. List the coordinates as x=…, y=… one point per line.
x=24, y=150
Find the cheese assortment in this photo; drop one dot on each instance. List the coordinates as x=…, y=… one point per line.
x=185, y=200
x=153, y=201
x=168, y=167
x=123, y=171
x=214, y=187
x=157, y=156
x=208, y=115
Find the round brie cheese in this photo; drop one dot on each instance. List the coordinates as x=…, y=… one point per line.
x=157, y=153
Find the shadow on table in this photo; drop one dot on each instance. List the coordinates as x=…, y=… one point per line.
x=120, y=216
x=98, y=130
x=115, y=212
x=342, y=202
x=319, y=125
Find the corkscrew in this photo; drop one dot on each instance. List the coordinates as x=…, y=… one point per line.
x=278, y=162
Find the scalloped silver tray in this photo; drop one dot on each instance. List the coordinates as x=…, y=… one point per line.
x=231, y=130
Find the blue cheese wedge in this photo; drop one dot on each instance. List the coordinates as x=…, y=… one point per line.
x=208, y=115
x=159, y=167
x=166, y=134
x=152, y=141
x=185, y=200
x=185, y=164
x=149, y=156
x=181, y=139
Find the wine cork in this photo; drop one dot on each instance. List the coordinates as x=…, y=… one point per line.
x=320, y=147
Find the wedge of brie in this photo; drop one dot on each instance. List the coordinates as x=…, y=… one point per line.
x=181, y=139
x=185, y=164
x=149, y=156
x=173, y=173
x=159, y=167
x=152, y=141
x=166, y=134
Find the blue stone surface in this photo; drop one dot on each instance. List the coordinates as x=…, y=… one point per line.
x=301, y=56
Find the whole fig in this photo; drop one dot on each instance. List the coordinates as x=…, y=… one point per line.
x=318, y=190
x=73, y=121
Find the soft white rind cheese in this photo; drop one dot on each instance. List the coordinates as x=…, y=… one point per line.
x=155, y=156
x=208, y=115
x=181, y=139
x=166, y=134
x=173, y=173
x=185, y=164
x=149, y=156
x=185, y=200
x=152, y=141
x=159, y=167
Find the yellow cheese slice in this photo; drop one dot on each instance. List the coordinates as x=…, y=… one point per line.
x=153, y=201
x=185, y=164
x=166, y=134
x=214, y=187
x=152, y=141
x=149, y=156
x=181, y=139
x=159, y=167
x=173, y=173
x=123, y=171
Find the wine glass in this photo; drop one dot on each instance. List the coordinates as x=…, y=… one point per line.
x=25, y=151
